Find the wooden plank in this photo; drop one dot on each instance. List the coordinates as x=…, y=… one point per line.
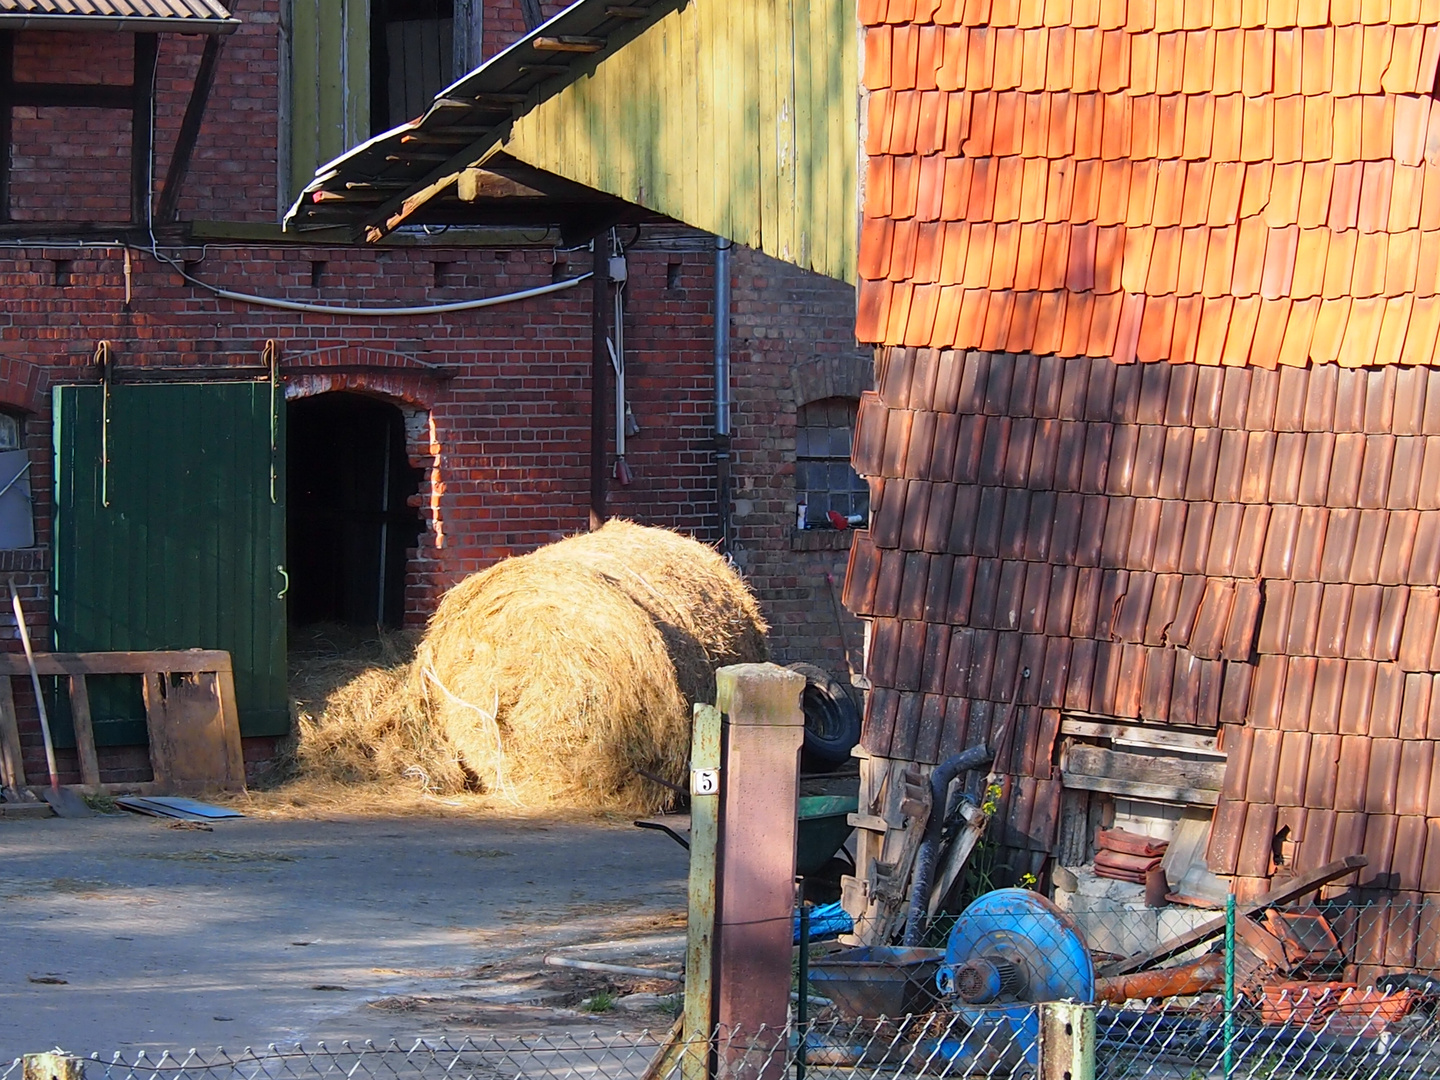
x=847, y=140
x=1143, y=768
x=191, y=745
x=189, y=129
x=12, y=759
x=84, y=731
x=1138, y=789
x=1292, y=890
x=763, y=132
x=17, y=810
x=1138, y=733
x=142, y=125
x=7, y=101
x=119, y=663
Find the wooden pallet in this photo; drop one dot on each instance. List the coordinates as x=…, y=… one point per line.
x=190, y=716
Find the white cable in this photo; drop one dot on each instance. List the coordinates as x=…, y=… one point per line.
x=381, y=312
x=433, y=309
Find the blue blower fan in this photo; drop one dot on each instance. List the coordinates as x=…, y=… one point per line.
x=1010, y=949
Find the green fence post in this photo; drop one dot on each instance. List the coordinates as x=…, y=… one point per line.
x=1067, y=1041
x=699, y=1018
x=1229, y=983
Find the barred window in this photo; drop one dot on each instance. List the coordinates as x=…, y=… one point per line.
x=824, y=480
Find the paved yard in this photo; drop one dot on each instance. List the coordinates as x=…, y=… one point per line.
x=273, y=931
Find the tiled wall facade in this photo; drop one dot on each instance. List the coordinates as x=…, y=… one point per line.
x=1246, y=551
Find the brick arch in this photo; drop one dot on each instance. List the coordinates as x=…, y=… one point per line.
x=821, y=377
x=24, y=385
x=392, y=375
x=414, y=388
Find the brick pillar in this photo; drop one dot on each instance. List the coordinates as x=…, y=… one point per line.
x=762, y=731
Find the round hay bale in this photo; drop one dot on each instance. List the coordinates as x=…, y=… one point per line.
x=557, y=675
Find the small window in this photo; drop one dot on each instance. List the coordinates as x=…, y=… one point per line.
x=411, y=58
x=17, y=521
x=824, y=480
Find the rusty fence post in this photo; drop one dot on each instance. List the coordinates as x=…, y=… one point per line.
x=1067, y=1041
x=762, y=729
x=53, y=1065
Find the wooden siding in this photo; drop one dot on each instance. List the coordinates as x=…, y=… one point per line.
x=739, y=119
x=329, y=91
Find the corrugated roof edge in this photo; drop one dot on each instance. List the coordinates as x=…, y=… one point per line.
x=140, y=24
x=501, y=74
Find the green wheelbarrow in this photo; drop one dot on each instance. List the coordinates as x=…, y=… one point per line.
x=822, y=826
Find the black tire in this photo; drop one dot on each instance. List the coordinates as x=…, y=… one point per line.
x=832, y=722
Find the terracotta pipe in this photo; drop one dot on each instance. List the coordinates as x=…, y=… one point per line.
x=1195, y=978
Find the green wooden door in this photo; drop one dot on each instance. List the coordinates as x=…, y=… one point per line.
x=179, y=542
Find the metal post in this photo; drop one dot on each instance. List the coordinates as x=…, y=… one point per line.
x=1067, y=1041
x=699, y=1018
x=599, y=367
x=762, y=730
x=53, y=1065
x=802, y=1006
x=722, y=390
x=1229, y=983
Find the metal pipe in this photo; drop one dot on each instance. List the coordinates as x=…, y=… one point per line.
x=1229, y=1062
x=722, y=389
x=599, y=368
x=722, y=337
x=802, y=1004
x=615, y=969
x=940, y=779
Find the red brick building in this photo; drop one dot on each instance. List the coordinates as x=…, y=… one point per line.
x=444, y=440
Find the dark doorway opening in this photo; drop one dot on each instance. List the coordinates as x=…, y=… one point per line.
x=349, y=523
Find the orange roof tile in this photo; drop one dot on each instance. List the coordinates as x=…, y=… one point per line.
x=1119, y=174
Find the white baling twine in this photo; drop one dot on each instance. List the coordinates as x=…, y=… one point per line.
x=492, y=719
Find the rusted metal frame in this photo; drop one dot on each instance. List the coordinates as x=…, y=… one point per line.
x=1291, y=890
x=599, y=371
x=189, y=129
x=142, y=126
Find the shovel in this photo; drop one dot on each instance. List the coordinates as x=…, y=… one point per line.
x=63, y=801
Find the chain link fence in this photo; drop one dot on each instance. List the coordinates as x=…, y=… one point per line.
x=1339, y=991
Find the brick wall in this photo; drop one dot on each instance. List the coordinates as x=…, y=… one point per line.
x=502, y=439
x=792, y=342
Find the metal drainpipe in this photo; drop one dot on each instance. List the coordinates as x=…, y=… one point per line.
x=722, y=389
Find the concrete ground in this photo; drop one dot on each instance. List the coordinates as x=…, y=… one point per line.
x=122, y=933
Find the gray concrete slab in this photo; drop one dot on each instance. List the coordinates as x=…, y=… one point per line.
x=276, y=931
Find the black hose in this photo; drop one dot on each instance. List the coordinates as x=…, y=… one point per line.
x=940, y=779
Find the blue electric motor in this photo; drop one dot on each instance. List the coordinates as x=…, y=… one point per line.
x=1008, y=950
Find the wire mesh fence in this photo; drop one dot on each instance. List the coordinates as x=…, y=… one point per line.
x=1339, y=991
x=1319, y=1037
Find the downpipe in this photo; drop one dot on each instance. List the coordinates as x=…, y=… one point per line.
x=722, y=390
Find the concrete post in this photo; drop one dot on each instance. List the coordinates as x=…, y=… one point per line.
x=1067, y=1041
x=761, y=734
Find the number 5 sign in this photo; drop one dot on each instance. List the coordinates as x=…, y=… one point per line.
x=704, y=781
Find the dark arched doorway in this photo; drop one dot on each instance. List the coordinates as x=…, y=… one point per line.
x=349, y=519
